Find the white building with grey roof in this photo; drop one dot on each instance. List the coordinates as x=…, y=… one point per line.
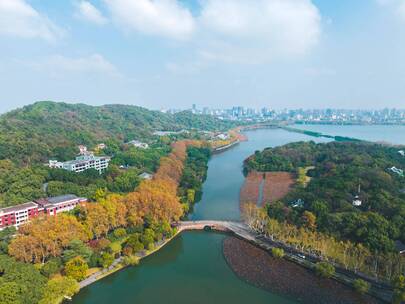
x=83, y=163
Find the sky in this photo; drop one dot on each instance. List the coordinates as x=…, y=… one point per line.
x=218, y=53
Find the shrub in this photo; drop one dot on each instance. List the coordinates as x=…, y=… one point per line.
x=147, y=237
x=277, y=253
x=324, y=269
x=94, y=260
x=76, y=268
x=106, y=259
x=151, y=246
x=127, y=251
x=120, y=233
x=399, y=289
x=57, y=288
x=131, y=260
x=115, y=248
x=134, y=242
x=361, y=286
x=99, y=245
x=51, y=267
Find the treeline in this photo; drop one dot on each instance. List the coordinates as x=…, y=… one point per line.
x=32, y=135
x=66, y=246
x=341, y=173
x=319, y=134
x=194, y=175
x=48, y=129
x=345, y=254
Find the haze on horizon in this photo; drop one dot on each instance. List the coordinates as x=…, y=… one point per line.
x=215, y=53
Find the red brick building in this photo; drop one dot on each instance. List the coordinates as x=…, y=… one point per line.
x=17, y=215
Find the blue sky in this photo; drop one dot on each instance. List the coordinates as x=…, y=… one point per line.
x=217, y=53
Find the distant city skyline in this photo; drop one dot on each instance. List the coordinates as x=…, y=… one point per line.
x=334, y=116
x=310, y=54
x=199, y=109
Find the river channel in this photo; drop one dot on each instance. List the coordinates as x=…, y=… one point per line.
x=191, y=268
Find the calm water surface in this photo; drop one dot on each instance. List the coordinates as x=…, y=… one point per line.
x=391, y=134
x=192, y=269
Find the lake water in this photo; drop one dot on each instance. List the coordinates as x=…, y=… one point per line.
x=191, y=268
x=391, y=134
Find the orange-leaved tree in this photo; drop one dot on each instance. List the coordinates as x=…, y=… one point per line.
x=46, y=237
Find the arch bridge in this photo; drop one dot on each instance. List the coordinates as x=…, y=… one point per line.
x=237, y=228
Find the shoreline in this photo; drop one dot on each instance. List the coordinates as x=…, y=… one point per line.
x=226, y=147
x=258, y=268
x=240, y=235
x=101, y=275
x=117, y=266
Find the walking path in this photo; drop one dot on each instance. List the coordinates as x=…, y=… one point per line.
x=242, y=231
x=96, y=276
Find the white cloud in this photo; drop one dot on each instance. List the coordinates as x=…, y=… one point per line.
x=401, y=9
x=156, y=17
x=59, y=65
x=384, y=2
x=18, y=18
x=397, y=5
x=292, y=26
x=320, y=71
x=87, y=11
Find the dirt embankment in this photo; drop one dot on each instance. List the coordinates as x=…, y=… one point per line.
x=259, y=268
x=250, y=191
x=276, y=185
x=236, y=133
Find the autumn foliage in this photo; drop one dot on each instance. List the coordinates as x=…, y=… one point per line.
x=155, y=199
x=46, y=237
x=345, y=254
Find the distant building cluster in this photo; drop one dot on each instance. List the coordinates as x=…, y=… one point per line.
x=222, y=136
x=396, y=170
x=85, y=161
x=17, y=215
x=335, y=116
x=145, y=175
x=138, y=144
x=167, y=133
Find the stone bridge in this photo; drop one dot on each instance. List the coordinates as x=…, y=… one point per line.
x=238, y=228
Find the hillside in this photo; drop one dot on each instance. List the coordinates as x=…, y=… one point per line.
x=49, y=129
x=340, y=175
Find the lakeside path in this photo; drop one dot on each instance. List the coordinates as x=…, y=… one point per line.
x=242, y=231
x=183, y=226
x=117, y=264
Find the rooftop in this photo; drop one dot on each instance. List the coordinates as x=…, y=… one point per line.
x=18, y=207
x=146, y=175
x=61, y=198
x=400, y=246
x=84, y=159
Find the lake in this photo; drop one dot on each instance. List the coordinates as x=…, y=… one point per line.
x=381, y=133
x=191, y=268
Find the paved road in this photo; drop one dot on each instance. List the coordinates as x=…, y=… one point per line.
x=91, y=279
x=243, y=231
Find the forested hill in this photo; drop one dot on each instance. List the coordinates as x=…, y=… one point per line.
x=45, y=129
x=340, y=174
